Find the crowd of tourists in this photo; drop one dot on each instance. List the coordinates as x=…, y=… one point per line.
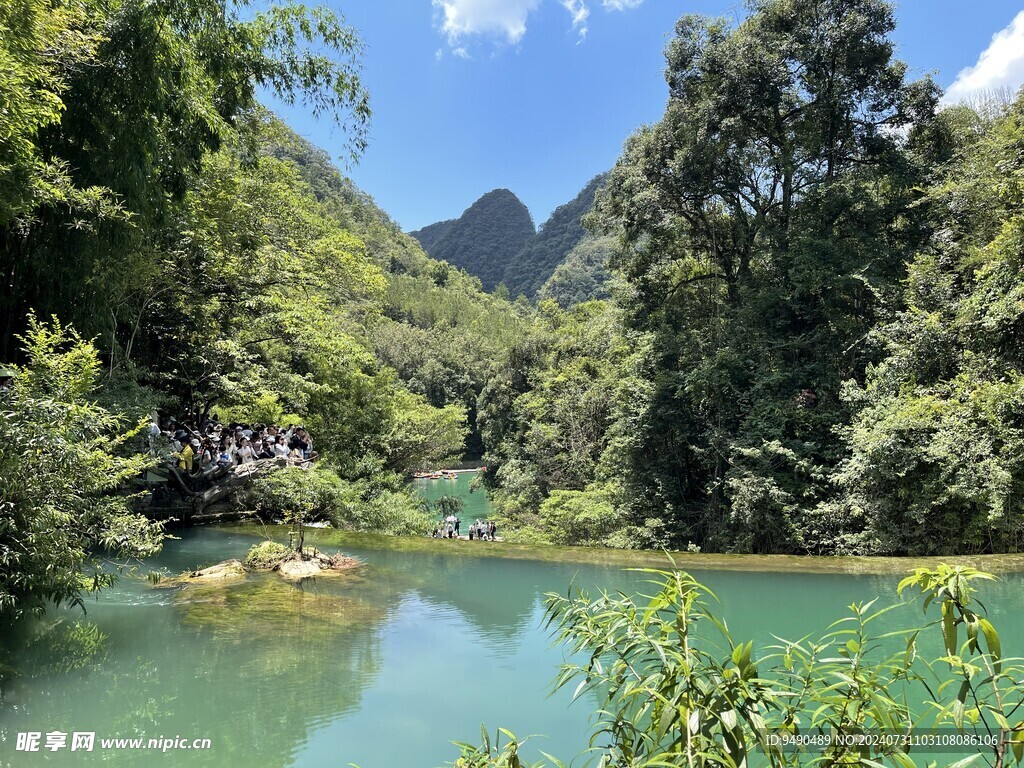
x=214, y=445
x=481, y=530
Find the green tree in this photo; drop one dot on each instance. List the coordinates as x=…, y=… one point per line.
x=261, y=275
x=420, y=435
x=41, y=45
x=63, y=463
x=936, y=444
x=765, y=223
x=449, y=505
x=547, y=412
x=583, y=275
x=164, y=86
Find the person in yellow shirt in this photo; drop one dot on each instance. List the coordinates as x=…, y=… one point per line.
x=188, y=453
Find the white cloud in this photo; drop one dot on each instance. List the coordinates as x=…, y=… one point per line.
x=505, y=20
x=620, y=5
x=460, y=19
x=1000, y=66
x=579, y=12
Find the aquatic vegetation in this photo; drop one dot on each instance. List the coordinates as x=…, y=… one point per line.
x=264, y=605
x=230, y=571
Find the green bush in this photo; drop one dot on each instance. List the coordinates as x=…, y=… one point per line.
x=315, y=494
x=395, y=513
x=585, y=518
x=382, y=504
x=525, y=535
x=63, y=461
x=266, y=554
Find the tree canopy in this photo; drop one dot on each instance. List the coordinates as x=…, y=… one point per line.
x=815, y=286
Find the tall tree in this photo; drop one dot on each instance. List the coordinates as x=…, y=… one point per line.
x=41, y=45
x=766, y=221
x=935, y=448
x=166, y=82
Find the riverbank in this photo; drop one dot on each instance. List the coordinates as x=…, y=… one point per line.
x=633, y=558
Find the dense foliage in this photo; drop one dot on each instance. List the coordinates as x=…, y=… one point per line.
x=934, y=448
x=561, y=245
x=63, y=462
x=816, y=292
x=436, y=328
x=484, y=238
x=381, y=504
x=794, y=326
x=583, y=274
x=127, y=99
x=767, y=220
x=218, y=262
x=547, y=419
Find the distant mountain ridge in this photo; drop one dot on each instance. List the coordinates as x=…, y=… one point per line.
x=431, y=233
x=484, y=238
x=479, y=242
x=583, y=274
x=536, y=262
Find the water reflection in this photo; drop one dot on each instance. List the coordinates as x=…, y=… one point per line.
x=254, y=667
x=382, y=667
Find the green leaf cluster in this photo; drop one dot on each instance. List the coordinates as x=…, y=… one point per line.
x=64, y=462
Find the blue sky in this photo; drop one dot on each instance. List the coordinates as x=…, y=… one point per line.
x=539, y=95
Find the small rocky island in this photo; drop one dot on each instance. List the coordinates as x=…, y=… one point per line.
x=292, y=564
x=268, y=557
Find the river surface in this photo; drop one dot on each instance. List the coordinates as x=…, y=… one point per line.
x=383, y=668
x=475, y=503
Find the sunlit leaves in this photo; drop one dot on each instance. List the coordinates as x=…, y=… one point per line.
x=64, y=465
x=935, y=448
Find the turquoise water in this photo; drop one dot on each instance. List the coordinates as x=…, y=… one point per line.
x=476, y=503
x=382, y=669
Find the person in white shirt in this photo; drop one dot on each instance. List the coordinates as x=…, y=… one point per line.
x=154, y=433
x=281, y=446
x=245, y=452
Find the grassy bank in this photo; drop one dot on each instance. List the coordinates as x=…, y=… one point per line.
x=631, y=558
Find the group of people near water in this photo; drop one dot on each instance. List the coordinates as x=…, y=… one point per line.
x=215, y=445
x=481, y=530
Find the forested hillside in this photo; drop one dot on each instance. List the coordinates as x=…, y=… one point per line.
x=168, y=245
x=437, y=329
x=534, y=264
x=583, y=275
x=431, y=233
x=813, y=346
x=484, y=238
x=528, y=269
